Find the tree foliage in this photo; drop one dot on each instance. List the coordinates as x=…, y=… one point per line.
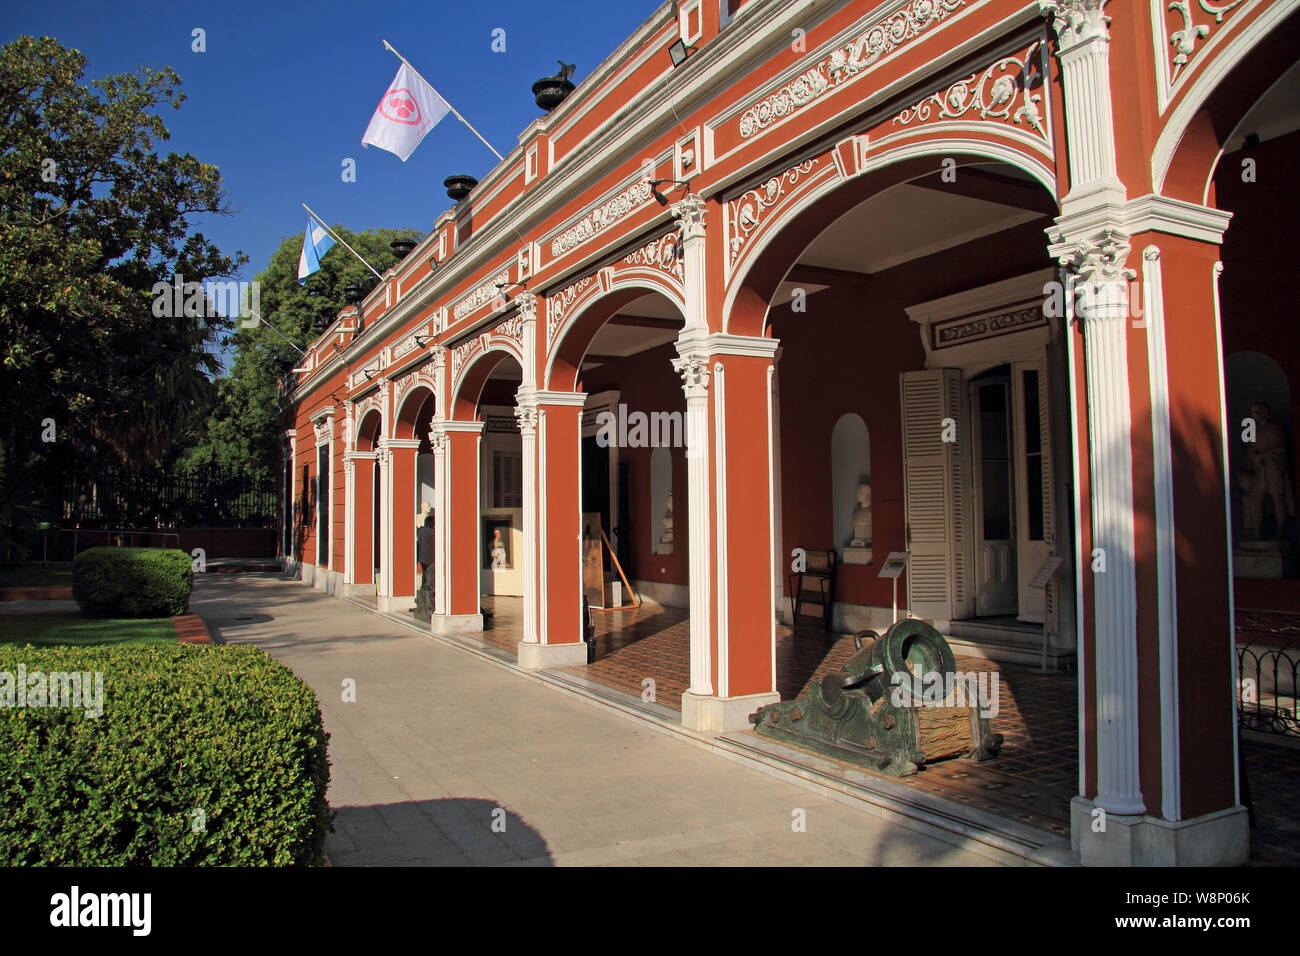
x=246, y=428
x=92, y=215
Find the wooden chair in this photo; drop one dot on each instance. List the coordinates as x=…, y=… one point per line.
x=814, y=585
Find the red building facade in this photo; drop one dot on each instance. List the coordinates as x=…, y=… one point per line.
x=967, y=253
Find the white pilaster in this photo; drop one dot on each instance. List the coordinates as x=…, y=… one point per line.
x=693, y=366
x=1102, y=298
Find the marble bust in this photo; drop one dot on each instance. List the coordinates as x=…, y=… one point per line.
x=862, y=518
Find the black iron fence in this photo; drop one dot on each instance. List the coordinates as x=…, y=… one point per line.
x=207, y=498
x=1268, y=662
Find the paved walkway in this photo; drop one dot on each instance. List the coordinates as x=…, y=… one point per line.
x=442, y=751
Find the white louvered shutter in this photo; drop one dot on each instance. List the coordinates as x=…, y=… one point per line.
x=934, y=494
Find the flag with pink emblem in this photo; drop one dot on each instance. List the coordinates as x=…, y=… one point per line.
x=409, y=109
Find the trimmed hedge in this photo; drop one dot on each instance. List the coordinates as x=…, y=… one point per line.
x=132, y=582
x=224, y=730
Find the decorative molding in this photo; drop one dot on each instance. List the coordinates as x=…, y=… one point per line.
x=559, y=304
x=509, y=330
x=990, y=96
x=601, y=218
x=747, y=210
x=961, y=331
x=480, y=296
x=1176, y=48
x=526, y=416
x=1076, y=21
x=844, y=63
x=664, y=253
x=693, y=367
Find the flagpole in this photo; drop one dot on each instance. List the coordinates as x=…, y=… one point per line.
x=389, y=46
x=340, y=241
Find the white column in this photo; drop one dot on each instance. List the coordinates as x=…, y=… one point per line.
x=1083, y=49
x=441, y=581
x=526, y=413
x=1102, y=297
x=693, y=366
x=349, y=486
x=689, y=213
x=385, y=492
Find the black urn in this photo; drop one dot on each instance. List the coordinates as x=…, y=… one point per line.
x=458, y=186
x=402, y=247
x=550, y=91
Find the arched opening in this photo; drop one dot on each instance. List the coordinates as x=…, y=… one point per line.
x=619, y=351
x=410, y=488
x=367, y=494
x=918, y=377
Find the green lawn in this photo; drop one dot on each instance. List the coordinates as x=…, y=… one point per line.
x=31, y=574
x=77, y=631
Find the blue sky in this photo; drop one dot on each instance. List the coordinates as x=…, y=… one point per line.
x=285, y=89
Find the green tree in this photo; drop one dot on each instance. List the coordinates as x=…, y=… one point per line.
x=92, y=216
x=244, y=431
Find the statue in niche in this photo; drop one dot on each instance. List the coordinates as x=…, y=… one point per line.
x=667, y=536
x=1265, y=476
x=862, y=517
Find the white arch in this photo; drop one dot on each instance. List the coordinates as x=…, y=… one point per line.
x=1000, y=152
x=500, y=345
x=1233, y=52
x=645, y=279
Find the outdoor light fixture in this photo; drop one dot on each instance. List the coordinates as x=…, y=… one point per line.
x=501, y=290
x=433, y=264
x=660, y=197
x=679, y=51
x=418, y=343
x=368, y=373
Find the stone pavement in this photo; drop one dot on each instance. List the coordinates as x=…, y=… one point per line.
x=442, y=751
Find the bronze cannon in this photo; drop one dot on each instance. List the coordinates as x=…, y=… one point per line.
x=897, y=703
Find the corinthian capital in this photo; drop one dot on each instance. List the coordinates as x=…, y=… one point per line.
x=1076, y=20
x=1099, y=265
x=527, y=302
x=689, y=212
x=694, y=370
x=526, y=415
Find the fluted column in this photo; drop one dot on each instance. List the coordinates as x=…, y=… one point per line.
x=693, y=367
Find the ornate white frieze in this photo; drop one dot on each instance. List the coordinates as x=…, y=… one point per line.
x=961, y=331
x=1003, y=92
x=480, y=296
x=557, y=306
x=404, y=347
x=405, y=384
x=511, y=328
x=747, y=209
x=600, y=218
x=662, y=253
x=844, y=63
x=1180, y=28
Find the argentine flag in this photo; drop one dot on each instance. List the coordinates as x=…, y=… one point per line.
x=315, y=243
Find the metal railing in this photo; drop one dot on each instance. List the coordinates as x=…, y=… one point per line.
x=1267, y=670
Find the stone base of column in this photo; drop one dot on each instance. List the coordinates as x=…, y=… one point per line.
x=536, y=657
x=359, y=590
x=720, y=715
x=1216, y=839
x=453, y=623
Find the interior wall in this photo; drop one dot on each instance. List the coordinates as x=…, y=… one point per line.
x=844, y=354
x=1256, y=300
x=647, y=383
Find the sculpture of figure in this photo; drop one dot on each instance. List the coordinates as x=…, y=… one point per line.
x=862, y=517
x=426, y=509
x=1266, y=476
x=667, y=537
x=498, y=550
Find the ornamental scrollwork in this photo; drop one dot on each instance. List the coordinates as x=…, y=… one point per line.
x=899, y=28
x=663, y=253
x=748, y=208
x=558, y=305
x=1003, y=92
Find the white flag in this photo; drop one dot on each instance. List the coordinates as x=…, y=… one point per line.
x=409, y=109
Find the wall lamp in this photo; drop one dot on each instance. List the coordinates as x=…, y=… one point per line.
x=660, y=197
x=679, y=52
x=503, y=296
x=420, y=340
